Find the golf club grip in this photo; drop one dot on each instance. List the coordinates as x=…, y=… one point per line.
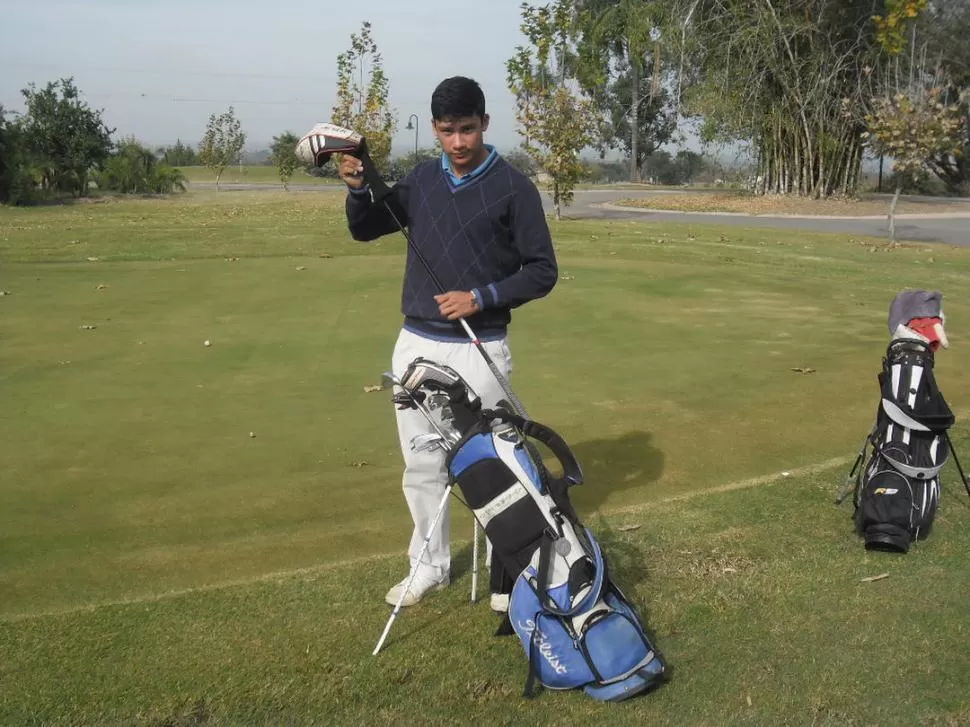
x=378, y=187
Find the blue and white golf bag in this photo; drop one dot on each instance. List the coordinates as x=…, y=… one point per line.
x=576, y=627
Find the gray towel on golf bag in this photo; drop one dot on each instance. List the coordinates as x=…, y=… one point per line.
x=912, y=304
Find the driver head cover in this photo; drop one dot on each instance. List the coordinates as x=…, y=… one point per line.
x=316, y=146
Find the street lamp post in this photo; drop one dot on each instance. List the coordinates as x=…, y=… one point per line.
x=414, y=126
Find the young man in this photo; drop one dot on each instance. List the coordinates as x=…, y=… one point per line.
x=480, y=224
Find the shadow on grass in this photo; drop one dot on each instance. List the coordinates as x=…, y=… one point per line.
x=611, y=466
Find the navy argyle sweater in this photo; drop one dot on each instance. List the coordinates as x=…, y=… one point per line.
x=487, y=234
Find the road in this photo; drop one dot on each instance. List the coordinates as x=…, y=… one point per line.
x=951, y=228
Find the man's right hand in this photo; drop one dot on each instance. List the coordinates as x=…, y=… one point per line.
x=352, y=172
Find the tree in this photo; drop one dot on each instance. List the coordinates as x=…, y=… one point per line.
x=179, y=155
x=690, y=164
x=945, y=27
x=223, y=142
x=521, y=161
x=362, y=96
x=912, y=128
x=656, y=122
x=283, y=156
x=912, y=122
x=63, y=136
x=556, y=120
x=776, y=75
x=621, y=66
x=400, y=166
x=134, y=169
x=15, y=179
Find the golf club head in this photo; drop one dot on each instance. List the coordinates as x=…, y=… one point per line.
x=433, y=376
x=389, y=380
x=324, y=140
x=425, y=442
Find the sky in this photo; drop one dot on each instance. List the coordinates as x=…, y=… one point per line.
x=159, y=69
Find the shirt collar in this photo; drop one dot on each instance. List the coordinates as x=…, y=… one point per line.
x=456, y=180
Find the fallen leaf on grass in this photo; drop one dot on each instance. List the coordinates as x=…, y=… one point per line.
x=628, y=528
x=799, y=370
x=302, y=267
x=325, y=255
x=359, y=463
x=92, y=259
x=88, y=327
x=369, y=389
x=872, y=579
x=102, y=286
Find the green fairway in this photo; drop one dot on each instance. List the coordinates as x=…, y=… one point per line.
x=252, y=174
x=192, y=533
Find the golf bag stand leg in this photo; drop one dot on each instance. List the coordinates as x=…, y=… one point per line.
x=850, y=478
x=414, y=568
x=966, y=482
x=474, y=560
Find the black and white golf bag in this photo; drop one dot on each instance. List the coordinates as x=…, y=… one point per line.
x=576, y=627
x=897, y=491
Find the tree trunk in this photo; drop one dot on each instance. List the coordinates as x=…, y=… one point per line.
x=635, y=121
x=892, y=213
x=218, y=177
x=555, y=199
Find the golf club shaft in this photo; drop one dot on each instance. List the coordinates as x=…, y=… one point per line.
x=503, y=382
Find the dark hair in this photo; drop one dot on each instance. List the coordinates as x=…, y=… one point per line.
x=457, y=97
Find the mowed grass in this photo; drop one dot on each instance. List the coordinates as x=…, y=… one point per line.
x=252, y=174
x=196, y=534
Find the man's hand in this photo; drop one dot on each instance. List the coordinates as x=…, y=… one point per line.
x=456, y=304
x=352, y=171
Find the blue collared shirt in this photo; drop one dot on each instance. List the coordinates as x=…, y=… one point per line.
x=480, y=169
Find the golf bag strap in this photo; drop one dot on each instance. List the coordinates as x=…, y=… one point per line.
x=530, y=681
x=542, y=583
x=572, y=472
x=542, y=572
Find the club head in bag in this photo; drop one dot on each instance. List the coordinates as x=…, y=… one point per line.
x=426, y=442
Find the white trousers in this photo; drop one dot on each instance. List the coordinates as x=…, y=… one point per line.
x=425, y=476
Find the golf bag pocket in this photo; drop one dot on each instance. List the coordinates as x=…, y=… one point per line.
x=577, y=629
x=884, y=516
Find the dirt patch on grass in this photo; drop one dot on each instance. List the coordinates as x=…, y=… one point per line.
x=781, y=205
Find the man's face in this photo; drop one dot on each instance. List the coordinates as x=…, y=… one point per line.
x=461, y=139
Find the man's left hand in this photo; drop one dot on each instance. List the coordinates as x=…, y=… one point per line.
x=456, y=304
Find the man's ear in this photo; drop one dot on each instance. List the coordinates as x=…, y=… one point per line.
x=485, y=119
